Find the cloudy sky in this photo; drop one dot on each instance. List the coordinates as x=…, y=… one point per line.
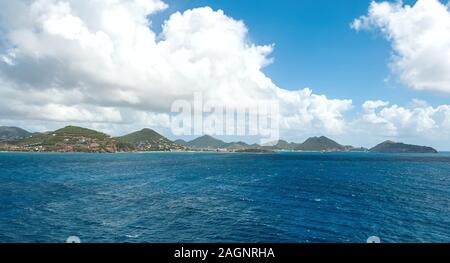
x=357, y=71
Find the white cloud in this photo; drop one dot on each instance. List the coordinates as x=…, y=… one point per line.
x=372, y=105
x=100, y=62
x=420, y=39
x=309, y=113
x=419, y=121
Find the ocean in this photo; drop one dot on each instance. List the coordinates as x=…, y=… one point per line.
x=224, y=197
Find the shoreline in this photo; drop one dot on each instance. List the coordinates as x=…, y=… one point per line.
x=206, y=152
x=146, y=152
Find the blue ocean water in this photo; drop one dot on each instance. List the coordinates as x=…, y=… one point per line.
x=209, y=197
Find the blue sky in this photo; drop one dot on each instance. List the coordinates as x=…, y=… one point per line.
x=316, y=48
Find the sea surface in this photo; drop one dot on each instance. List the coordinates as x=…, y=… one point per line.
x=229, y=197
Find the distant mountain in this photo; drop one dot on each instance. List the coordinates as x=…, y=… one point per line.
x=181, y=142
x=146, y=140
x=239, y=146
x=358, y=149
x=68, y=139
x=284, y=145
x=396, y=147
x=207, y=142
x=320, y=144
x=315, y=144
x=78, y=139
x=13, y=133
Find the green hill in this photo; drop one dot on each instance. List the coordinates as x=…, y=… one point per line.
x=237, y=146
x=315, y=144
x=283, y=146
x=207, y=142
x=68, y=139
x=181, y=142
x=146, y=140
x=396, y=147
x=13, y=133
x=320, y=144
x=78, y=139
x=74, y=131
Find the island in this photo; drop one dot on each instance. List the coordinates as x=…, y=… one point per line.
x=79, y=139
x=398, y=147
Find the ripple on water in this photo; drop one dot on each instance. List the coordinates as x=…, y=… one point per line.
x=281, y=197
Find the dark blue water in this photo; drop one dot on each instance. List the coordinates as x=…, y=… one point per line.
x=193, y=197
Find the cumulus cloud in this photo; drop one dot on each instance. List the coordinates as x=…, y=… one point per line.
x=420, y=39
x=102, y=62
x=418, y=121
x=308, y=112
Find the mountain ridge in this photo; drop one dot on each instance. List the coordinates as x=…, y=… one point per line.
x=321, y=143
x=146, y=140
x=206, y=142
x=78, y=139
x=398, y=147
x=67, y=139
x=8, y=133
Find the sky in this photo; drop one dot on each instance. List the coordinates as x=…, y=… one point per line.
x=357, y=71
x=315, y=47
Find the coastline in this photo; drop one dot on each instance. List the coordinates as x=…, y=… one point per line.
x=73, y=139
x=218, y=152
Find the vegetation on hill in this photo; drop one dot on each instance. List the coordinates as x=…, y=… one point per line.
x=206, y=142
x=238, y=146
x=13, y=133
x=74, y=131
x=396, y=147
x=78, y=139
x=146, y=140
x=320, y=144
x=315, y=144
x=180, y=142
x=282, y=145
x=68, y=139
